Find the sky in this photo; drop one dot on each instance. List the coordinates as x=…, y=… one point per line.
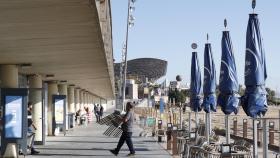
x=165, y=29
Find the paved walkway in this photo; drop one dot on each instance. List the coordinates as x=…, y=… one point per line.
x=88, y=141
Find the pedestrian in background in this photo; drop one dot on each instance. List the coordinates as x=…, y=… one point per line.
x=101, y=111
x=30, y=130
x=97, y=112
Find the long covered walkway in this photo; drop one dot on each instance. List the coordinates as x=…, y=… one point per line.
x=88, y=141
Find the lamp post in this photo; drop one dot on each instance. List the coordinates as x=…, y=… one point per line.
x=130, y=23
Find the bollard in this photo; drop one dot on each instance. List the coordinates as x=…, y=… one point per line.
x=174, y=140
x=235, y=126
x=160, y=131
x=175, y=119
x=174, y=116
x=168, y=133
x=271, y=132
x=245, y=126
x=169, y=116
x=259, y=131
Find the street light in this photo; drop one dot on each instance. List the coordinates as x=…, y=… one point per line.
x=130, y=23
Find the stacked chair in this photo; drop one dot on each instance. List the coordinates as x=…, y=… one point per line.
x=113, y=121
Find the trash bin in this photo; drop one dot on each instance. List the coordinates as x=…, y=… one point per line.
x=70, y=120
x=83, y=120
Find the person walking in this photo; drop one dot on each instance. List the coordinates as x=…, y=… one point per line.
x=101, y=111
x=98, y=112
x=127, y=131
x=30, y=131
x=89, y=114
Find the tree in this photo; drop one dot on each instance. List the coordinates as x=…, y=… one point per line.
x=270, y=96
x=180, y=96
x=241, y=90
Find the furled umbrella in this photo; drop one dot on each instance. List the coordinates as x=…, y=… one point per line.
x=254, y=101
x=228, y=97
x=195, y=87
x=209, y=86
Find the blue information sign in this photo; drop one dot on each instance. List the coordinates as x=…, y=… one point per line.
x=13, y=116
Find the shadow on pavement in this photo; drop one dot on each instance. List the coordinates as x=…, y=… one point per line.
x=71, y=141
x=76, y=155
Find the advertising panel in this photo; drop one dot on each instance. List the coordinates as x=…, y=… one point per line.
x=13, y=116
x=59, y=111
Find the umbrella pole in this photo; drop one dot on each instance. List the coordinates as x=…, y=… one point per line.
x=227, y=129
x=265, y=141
x=190, y=122
x=196, y=120
x=255, y=138
x=181, y=119
x=207, y=127
x=210, y=122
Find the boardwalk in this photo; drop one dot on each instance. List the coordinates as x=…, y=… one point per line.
x=89, y=142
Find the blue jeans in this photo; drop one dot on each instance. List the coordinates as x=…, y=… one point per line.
x=126, y=137
x=30, y=136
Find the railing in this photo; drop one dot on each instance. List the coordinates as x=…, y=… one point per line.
x=241, y=128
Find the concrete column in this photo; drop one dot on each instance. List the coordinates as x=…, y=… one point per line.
x=9, y=79
x=52, y=90
x=9, y=76
x=77, y=99
x=71, y=104
x=85, y=98
x=82, y=100
x=35, y=96
x=96, y=100
x=88, y=98
x=71, y=99
x=62, y=90
x=91, y=101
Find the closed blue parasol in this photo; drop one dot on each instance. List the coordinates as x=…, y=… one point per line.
x=209, y=85
x=195, y=99
x=254, y=102
x=161, y=105
x=228, y=98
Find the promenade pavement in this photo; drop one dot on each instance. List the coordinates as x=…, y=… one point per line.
x=88, y=141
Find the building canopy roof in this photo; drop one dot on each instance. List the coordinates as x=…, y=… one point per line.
x=143, y=68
